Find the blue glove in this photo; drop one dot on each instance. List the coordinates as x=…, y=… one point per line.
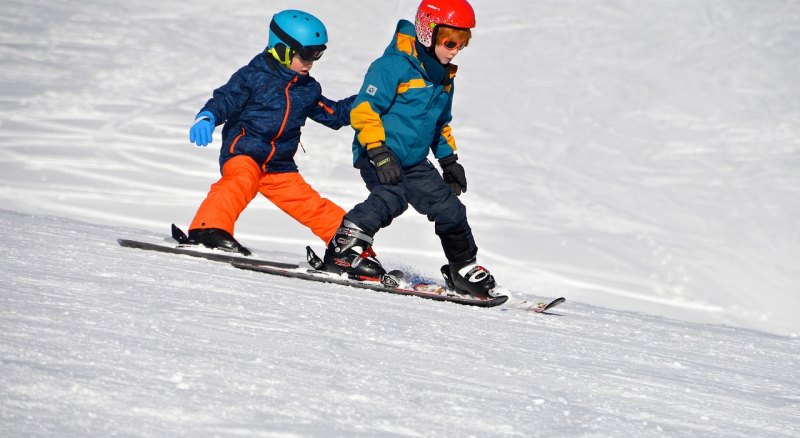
x=200, y=132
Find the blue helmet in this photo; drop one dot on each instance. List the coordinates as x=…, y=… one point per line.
x=294, y=31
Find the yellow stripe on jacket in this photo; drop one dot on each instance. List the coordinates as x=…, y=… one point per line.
x=368, y=124
x=447, y=133
x=413, y=83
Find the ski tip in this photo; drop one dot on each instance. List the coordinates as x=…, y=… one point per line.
x=554, y=303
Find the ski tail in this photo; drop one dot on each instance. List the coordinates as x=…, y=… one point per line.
x=178, y=234
x=313, y=259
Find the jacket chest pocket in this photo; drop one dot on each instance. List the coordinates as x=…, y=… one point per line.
x=236, y=140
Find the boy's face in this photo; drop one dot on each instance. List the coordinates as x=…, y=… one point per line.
x=300, y=65
x=448, y=50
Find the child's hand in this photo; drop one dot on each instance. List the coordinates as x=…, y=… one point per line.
x=200, y=132
x=389, y=172
x=453, y=174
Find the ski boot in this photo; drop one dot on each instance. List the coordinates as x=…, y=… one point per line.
x=215, y=238
x=349, y=251
x=469, y=278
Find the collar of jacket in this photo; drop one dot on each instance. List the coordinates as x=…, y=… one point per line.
x=438, y=73
x=281, y=71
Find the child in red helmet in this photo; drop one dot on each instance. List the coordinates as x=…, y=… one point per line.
x=401, y=115
x=263, y=107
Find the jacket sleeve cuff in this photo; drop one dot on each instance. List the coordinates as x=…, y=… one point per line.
x=452, y=158
x=206, y=115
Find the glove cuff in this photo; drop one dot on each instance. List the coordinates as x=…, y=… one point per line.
x=375, y=151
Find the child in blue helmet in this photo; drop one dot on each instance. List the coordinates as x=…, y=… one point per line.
x=401, y=115
x=263, y=107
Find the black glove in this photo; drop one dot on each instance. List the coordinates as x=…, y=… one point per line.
x=389, y=172
x=453, y=174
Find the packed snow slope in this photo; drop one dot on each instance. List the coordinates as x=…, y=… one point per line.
x=633, y=155
x=639, y=158
x=100, y=340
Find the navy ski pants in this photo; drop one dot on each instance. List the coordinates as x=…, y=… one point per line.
x=422, y=187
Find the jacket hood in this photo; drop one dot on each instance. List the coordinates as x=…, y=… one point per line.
x=403, y=42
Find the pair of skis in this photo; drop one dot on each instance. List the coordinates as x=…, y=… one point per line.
x=393, y=282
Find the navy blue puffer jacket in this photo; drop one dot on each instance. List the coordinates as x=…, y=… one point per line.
x=264, y=105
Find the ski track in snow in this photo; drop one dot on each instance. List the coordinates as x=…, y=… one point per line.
x=99, y=339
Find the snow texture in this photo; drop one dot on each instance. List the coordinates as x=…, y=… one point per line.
x=639, y=158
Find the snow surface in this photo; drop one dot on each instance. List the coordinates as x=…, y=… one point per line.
x=639, y=158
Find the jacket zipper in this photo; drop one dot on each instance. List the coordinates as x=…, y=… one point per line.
x=283, y=124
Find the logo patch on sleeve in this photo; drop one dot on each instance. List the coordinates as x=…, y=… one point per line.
x=371, y=89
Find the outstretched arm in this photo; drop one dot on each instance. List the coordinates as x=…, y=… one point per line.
x=333, y=114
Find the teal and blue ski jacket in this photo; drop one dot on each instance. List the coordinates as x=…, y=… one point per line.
x=403, y=104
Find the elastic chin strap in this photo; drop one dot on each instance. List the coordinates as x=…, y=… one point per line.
x=282, y=54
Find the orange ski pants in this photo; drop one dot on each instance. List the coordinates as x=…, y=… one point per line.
x=242, y=179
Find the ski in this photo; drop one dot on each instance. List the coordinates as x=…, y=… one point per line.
x=392, y=282
x=422, y=290
x=196, y=251
x=538, y=307
x=208, y=254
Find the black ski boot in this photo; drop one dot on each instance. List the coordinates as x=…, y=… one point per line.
x=469, y=278
x=215, y=238
x=350, y=251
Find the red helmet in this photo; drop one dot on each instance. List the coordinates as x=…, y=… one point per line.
x=432, y=13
